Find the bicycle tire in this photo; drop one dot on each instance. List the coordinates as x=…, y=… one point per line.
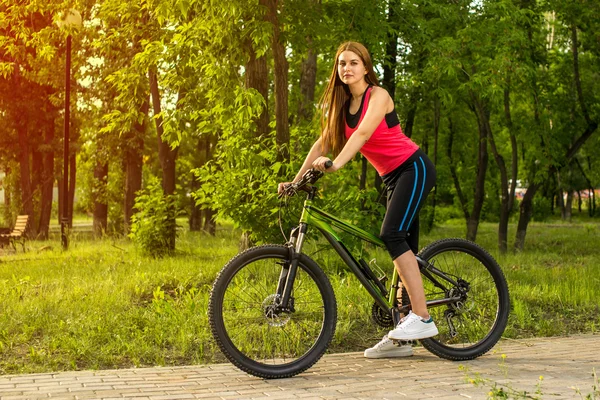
x=263, y=334
x=487, y=306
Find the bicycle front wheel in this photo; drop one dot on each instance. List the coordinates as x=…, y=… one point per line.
x=256, y=335
x=471, y=327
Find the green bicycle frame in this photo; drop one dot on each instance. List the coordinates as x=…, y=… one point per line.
x=313, y=216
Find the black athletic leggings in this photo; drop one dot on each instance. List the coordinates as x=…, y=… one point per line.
x=407, y=188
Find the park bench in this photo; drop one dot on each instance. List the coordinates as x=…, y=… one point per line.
x=17, y=235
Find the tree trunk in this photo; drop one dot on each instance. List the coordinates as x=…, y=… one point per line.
x=526, y=206
x=514, y=150
x=391, y=52
x=72, y=177
x=281, y=83
x=592, y=211
x=504, y=192
x=593, y=205
x=134, y=153
x=195, y=220
x=569, y=206
x=525, y=213
x=37, y=177
x=7, y=198
x=381, y=190
x=166, y=155
x=482, y=112
x=257, y=77
x=560, y=200
x=459, y=193
x=26, y=192
x=590, y=187
x=61, y=197
x=210, y=223
x=100, y=199
x=308, y=81
x=436, y=135
x=47, y=184
x=210, y=213
x=412, y=112
x=413, y=102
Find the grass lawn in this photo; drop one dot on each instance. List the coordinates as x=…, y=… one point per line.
x=103, y=305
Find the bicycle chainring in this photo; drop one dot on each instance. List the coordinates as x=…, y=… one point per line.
x=381, y=317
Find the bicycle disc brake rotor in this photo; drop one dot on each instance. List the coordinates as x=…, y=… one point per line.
x=273, y=313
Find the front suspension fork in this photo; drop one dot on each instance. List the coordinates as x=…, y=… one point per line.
x=290, y=267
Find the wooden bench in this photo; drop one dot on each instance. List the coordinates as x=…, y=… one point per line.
x=17, y=235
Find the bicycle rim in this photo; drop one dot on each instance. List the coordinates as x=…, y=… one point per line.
x=469, y=328
x=257, y=337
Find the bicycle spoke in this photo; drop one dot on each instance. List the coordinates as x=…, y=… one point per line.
x=279, y=338
x=474, y=317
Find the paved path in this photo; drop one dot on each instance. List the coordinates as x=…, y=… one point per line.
x=564, y=363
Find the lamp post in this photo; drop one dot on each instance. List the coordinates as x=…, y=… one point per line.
x=70, y=21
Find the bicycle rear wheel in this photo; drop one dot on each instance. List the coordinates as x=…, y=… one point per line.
x=471, y=327
x=252, y=332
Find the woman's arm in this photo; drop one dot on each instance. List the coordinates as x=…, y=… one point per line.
x=378, y=104
x=315, y=152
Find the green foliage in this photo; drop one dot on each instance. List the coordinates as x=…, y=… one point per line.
x=12, y=190
x=542, y=208
x=154, y=221
x=507, y=391
x=102, y=304
x=449, y=53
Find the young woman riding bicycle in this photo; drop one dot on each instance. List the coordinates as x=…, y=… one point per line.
x=359, y=115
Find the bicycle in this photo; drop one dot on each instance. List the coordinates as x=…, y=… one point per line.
x=273, y=313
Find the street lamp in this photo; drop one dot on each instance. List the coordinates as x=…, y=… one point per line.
x=70, y=21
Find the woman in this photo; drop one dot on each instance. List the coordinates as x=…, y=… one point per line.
x=361, y=117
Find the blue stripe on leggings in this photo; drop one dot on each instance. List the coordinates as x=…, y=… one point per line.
x=420, y=195
x=411, y=196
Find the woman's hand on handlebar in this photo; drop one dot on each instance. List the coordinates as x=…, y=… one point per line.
x=324, y=164
x=281, y=187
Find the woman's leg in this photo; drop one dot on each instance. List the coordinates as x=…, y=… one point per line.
x=409, y=272
x=400, y=232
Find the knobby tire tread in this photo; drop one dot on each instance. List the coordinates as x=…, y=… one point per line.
x=490, y=341
x=328, y=296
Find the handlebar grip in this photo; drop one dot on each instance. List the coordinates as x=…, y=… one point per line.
x=328, y=164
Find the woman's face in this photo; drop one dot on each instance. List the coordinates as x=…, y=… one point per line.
x=351, y=68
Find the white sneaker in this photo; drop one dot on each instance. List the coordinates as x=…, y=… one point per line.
x=387, y=348
x=413, y=327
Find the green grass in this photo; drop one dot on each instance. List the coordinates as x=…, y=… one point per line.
x=103, y=305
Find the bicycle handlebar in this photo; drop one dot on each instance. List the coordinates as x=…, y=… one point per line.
x=309, y=178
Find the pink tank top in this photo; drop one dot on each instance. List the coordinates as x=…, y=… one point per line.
x=388, y=147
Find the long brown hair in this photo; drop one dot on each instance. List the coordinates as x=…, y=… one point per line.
x=333, y=112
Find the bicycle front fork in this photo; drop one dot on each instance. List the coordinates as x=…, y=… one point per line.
x=290, y=266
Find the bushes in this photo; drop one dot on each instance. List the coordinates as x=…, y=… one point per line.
x=153, y=226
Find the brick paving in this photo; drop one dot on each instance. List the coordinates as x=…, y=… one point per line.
x=566, y=363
